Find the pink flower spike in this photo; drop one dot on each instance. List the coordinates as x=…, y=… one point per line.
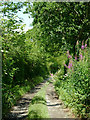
x=75, y=58
x=85, y=45
x=51, y=74
x=82, y=47
x=81, y=56
x=70, y=64
x=69, y=67
x=69, y=56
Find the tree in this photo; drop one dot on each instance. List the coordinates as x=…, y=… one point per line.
x=61, y=24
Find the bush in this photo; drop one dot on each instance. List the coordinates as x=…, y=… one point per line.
x=73, y=87
x=22, y=60
x=56, y=63
x=10, y=97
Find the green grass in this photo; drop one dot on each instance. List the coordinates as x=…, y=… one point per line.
x=38, y=108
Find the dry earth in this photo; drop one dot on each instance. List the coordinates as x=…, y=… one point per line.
x=55, y=106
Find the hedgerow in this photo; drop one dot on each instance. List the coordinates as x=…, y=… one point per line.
x=73, y=87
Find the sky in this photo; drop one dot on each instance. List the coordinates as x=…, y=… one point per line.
x=26, y=20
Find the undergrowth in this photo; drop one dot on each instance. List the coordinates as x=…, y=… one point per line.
x=10, y=97
x=73, y=87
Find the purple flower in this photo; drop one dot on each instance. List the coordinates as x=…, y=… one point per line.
x=51, y=74
x=69, y=56
x=80, y=56
x=76, y=58
x=69, y=66
x=85, y=45
x=82, y=47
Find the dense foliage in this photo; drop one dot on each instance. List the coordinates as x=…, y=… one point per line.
x=24, y=62
x=61, y=24
x=73, y=87
x=29, y=57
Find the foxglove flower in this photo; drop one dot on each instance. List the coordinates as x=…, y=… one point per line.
x=80, y=56
x=69, y=67
x=85, y=45
x=82, y=47
x=51, y=74
x=70, y=64
x=75, y=58
x=69, y=56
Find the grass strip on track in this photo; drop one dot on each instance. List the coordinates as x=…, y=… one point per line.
x=38, y=107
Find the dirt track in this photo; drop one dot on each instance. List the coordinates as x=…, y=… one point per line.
x=55, y=106
x=20, y=110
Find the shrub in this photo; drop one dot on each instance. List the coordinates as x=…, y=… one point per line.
x=73, y=87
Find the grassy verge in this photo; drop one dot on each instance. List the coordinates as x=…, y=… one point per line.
x=38, y=108
x=11, y=95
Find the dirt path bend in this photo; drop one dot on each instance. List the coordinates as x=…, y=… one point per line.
x=55, y=106
x=20, y=110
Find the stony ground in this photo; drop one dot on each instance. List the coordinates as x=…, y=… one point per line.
x=55, y=106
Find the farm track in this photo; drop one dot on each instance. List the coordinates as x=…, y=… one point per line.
x=20, y=110
x=55, y=106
